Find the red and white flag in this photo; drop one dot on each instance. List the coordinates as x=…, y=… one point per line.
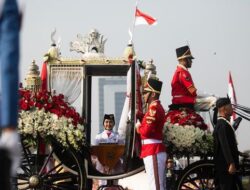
x=44, y=76
x=144, y=19
x=231, y=93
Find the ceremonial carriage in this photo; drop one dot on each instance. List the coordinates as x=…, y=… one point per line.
x=63, y=159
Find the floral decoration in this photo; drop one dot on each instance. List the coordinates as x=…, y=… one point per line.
x=49, y=116
x=186, y=116
x=189, y=140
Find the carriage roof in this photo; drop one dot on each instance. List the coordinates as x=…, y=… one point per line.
x=96, y=66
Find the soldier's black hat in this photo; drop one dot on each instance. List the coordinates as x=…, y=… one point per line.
x=153, y=85
x=183, y=52
x=222, y=102
x=110, y=117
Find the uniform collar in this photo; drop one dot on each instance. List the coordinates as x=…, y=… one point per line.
x=107, y=131
x=154, y=102
x=182, y=66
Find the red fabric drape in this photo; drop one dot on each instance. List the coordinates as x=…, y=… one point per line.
x=44, y=76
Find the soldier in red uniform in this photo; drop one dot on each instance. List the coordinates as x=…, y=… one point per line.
x=153, y=150
x=183, y=88
x=184, y=93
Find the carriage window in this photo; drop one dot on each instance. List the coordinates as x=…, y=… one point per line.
x=108, y=96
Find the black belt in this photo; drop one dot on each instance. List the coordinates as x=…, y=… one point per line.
x=179, y=106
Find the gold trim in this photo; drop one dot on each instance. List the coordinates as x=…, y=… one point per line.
x=153, y=104
x=188, y=50
x=90, y=61
x=150, y=89
x=184, y=56
x=148, y=121
x=150, y=118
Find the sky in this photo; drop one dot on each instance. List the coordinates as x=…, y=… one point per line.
x=216, y=30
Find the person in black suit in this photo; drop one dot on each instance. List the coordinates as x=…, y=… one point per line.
x=226, y=154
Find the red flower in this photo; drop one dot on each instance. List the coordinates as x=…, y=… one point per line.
x=186, y=117
x=52, y=104
x=48, y=106
x=24, y=104
x=38, y=105
x=31, y=103
x=57, y=112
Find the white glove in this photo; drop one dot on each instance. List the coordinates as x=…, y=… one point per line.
x=138, y=124
x=11, y=141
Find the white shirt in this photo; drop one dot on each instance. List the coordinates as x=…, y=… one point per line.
x=113, y=137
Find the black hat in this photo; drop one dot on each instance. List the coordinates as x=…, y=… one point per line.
x=183, y=52
x=222, y=102
x=110, y=117
x=153, y=85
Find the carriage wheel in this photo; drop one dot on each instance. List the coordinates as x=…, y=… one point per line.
x=198, y=175
x=41, y=171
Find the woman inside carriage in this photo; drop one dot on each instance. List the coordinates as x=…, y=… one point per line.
x=107, y=136
x=184, y=94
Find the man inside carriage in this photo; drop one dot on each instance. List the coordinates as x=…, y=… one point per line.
x=184, y=94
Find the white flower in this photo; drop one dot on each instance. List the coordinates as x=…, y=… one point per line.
x=48, y=124
x=187, y=139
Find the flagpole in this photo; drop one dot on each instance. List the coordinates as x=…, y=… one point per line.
x=133, y=27
x=232, y=94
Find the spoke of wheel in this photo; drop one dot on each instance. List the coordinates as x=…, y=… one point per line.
x=24, y=188
x=61, y=176
x=27, y=157
x=200, y=180
x=37, y=154
x=212, y=184
x=59, y=170
x=187, y=187
x=27, y=160
x=64, y=186
x=205, y=180
x=46, y=162
x=54, y=168
x=22, y=177
x=15, y=182
x=26, y=166
x=208, y=184
x=188, y=179
x=59, y=186
x=21, y=183
x=192, y=181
